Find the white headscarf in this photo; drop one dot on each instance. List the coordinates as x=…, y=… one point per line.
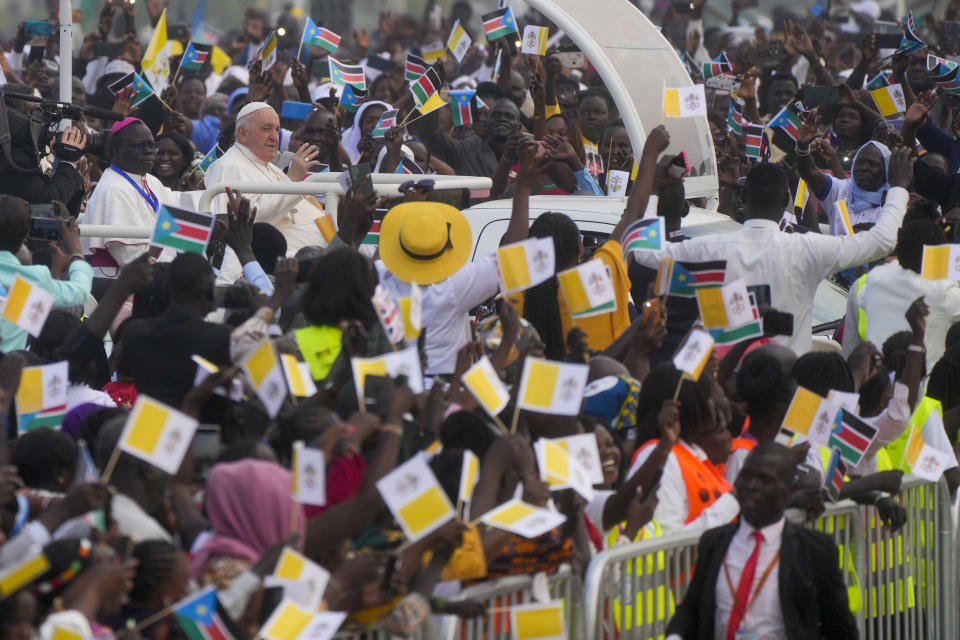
x=352, y=136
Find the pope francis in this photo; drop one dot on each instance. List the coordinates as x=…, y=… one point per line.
x=250, y=159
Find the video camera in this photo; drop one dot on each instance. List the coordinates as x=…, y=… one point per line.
x=24, y=139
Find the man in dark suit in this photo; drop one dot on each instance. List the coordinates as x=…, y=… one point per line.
x=764, y=578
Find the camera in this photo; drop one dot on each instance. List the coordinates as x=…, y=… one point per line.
x=25, y=136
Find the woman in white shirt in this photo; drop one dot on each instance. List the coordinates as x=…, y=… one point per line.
x=864, y=192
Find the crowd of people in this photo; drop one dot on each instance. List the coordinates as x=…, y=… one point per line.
x=106, y=533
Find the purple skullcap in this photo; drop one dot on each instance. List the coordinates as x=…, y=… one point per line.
x=126, y=122
x=75, y=417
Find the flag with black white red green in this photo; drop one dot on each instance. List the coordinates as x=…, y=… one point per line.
x=315, y=35
x=735, y=115
x=194, y=56
x=787, y=120
x=388, y=120
x=719, y=65
x=461, y=107
x=414, y=67
x=833, y=478
x=646, y=234
x=52, y=417
x=351, y=98
x=910, y=41
x=425, y=86
x=182, y=230
x=201, y=617
x=754, y=134
x=373, y=236
x=408, y=167
x=342, y=74
x=499, y=24
x=137, y=86
x=687, y=277
x=209, y=159
x=852, y=437
x=880, y=80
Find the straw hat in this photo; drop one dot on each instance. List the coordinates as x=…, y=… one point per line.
x=424, y=242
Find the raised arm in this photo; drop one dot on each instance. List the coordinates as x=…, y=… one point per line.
x=657, y=142
x=817, y=181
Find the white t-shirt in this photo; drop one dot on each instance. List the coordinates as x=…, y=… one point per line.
x=840, y=190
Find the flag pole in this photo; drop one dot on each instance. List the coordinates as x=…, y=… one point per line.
x=516, y=417
x=500, y=424
x=176, y=75
x=676, y=392
x=157, y=617
x=111, y=464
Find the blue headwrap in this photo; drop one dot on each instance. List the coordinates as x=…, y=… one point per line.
x=859, y=200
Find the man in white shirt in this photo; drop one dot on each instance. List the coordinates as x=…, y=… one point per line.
x=429, y=243
x=764, y=578
x=250, y=159
x=877, y=303
x=792, y=264
x=126, y=194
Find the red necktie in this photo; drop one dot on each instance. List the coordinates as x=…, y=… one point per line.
x=742, y=597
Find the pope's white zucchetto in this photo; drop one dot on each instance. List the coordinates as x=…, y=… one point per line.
x=252, y=108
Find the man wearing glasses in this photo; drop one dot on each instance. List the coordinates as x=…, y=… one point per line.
x=127, y=194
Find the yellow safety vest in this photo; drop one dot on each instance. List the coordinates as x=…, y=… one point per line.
x=847, y=566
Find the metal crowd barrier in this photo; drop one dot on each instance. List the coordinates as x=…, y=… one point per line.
x=497, y=597
x=902, y=584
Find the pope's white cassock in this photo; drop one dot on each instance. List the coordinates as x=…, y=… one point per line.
x=292, y=215
x=115, y=201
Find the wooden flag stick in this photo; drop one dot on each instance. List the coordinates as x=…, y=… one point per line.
x=157, y=617
x=406, y=117
x=418, y=117
x=294, y=515
x=676, y=393
x=300, y=48
x=516, y=417
x=111, y=464
x=459, y=510
x=500, y=424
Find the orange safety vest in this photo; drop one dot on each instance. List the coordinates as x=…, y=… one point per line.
x=704, y=484
x=736, y=444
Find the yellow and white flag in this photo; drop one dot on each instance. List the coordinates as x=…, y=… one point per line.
x=526, y=264
x=469, y=474
x=157, y=42
x=23, y=572
x=396, y=363
x=803, y=194
x=843, y=218
x=433, y=103
x=327, y=226
x=43, y=387
x=523, y=519
x=27, y=306
x=726, y=307
x=299, y=379
x=552, y=387
x=268, y=52
x=693, y=354
x=889, y=100
x=266, y=376
x=583, y=449
x=309, y=475
x=412, y=308
x=926, y=461
x=664, y=274
x=561, y=470
x=293, y=567
x=684, y=102
x=539, y=621
x=433, y=51
x=535, y=40
x=809, y=415
x=617, y=182
x=483, y=382
x=158, y=72
x=588, y=289
x=158, y=434
x=287, y=622
x=62, y=632
x=459, y=41
x=941, y=262
x=415, y=498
